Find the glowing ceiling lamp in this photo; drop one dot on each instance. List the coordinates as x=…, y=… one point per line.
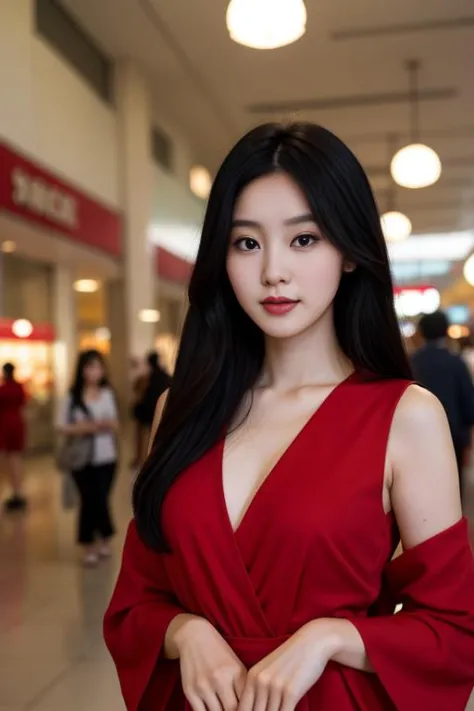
x=396, y=226
x=416, y=165
x=22, y=328
x=149, y=315
x=86, y=286
x=200, y=181
x=266, y=24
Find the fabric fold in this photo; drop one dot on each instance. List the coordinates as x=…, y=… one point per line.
x=136, y=621
x=423, y=655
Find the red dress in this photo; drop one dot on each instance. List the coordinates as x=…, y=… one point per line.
x=12, y=425
x=314, y=543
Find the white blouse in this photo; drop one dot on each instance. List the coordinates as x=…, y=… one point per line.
x=104, y=408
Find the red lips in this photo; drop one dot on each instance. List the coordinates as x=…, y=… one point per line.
x=278, y=305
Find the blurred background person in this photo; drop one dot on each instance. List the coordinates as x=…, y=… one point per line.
x=139, y=381
x=158, y=380
x=90, y=410
x=446, y=375
x=12, y=435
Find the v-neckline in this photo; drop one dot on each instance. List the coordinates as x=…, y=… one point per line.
x=270, y=476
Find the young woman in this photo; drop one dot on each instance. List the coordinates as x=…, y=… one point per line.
x=12, y=435
x=90, y=410
x=292, y=455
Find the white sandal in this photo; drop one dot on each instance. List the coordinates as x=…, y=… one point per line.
x=90, y=560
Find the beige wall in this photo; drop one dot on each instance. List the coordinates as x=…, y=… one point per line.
x=49, y=112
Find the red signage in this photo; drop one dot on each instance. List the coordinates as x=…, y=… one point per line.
x=171, y=267
x=29, y=191
x=21, y=330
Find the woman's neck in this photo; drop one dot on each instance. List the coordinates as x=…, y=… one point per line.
x=313, y=357
x=91, y=391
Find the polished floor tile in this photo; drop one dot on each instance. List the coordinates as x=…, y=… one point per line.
x=52, y=655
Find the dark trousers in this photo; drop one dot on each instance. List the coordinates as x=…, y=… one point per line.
x=94, y=483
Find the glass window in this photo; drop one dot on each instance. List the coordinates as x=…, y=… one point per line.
x=162, y=149
x=59, y=29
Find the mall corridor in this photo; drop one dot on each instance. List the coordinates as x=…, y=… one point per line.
x=52, y=656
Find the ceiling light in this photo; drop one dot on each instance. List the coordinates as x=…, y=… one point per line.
x=396, y=226
x=22, y=328
x=266, y=24
x=416, y=166
x=149, y=315
x=103, y=334
x=411, y=302
x=8, y=246
x=456, y=331
x=469, y=270
x=86, y=286
x=200, y=181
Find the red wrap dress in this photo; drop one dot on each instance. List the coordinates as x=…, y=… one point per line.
x=315, y=542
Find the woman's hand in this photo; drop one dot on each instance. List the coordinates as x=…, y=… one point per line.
x=213, y=677
x=280, y=681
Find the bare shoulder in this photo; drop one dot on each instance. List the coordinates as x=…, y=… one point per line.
x=425, y=484
x=419, y=411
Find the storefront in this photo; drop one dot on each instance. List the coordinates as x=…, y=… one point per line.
x=58, y=250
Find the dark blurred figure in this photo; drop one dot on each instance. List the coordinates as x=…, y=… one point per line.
x=446, y=375
x=157, y=382
x=12, y=434
x=139, y=384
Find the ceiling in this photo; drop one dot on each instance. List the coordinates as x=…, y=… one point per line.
x=352, y=54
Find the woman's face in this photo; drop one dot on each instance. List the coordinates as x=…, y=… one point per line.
x=284, y=272
x=93, y=372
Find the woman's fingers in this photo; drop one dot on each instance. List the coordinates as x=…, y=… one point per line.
x=228, y=699
x=239, y=684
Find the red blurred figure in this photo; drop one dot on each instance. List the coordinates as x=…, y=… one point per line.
x=12, y=434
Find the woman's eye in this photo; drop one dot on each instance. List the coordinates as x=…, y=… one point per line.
x=246, y=244
x=304, y=240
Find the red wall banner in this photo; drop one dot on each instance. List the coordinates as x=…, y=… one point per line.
x=31, y=192
x=39, y=331
x=171, y=267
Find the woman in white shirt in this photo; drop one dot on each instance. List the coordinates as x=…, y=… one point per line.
x=90, y=409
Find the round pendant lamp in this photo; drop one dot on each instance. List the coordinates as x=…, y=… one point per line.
x=266, y=24
x=416, y=165
x=396, y=226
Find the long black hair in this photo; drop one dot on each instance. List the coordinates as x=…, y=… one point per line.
x=78, y=385
x=221, y=352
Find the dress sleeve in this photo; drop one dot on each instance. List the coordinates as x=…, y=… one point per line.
x=424, y=655
x=135, y=624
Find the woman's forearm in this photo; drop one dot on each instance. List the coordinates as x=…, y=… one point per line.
x=79, y=428
x=175, y=633
x=350, y=649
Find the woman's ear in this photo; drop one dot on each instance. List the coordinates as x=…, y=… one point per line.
x=349, y=267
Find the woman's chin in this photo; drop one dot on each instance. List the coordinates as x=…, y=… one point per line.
x=281, y=328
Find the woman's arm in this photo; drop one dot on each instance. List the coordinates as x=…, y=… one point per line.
x=65, y=427
x=426, y=651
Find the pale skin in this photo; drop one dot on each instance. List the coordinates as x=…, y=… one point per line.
x=303, y=364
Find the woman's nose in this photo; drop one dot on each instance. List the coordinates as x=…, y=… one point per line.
x=274, y=268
